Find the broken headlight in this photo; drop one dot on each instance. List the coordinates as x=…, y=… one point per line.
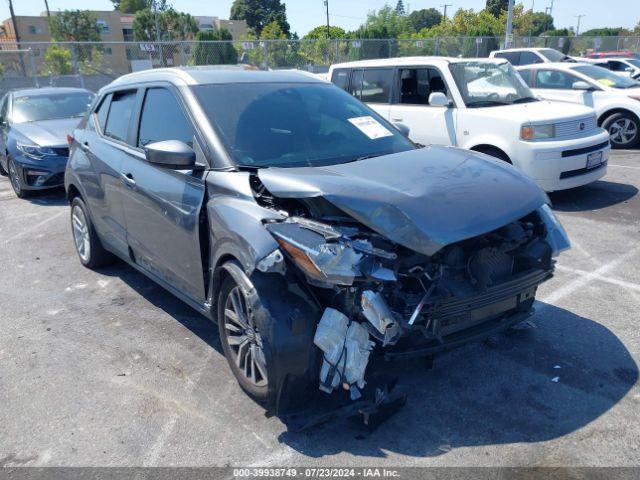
x=34, y=151
x=322, y=259
x=556, y=235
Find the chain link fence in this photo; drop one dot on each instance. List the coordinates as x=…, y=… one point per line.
x=93, y=65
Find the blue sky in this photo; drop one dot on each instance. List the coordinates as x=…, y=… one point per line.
x=305, y=14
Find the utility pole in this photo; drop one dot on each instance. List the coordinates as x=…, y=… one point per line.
x=509, y=35
x=326, y=4
x=445, y=9
x=17, y=34
x=579, y=17
x=158, y=37
x=46, y=5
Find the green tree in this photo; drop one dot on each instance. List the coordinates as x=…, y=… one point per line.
x=57, y=61
x=603, y=32
x=173, y=25
x=530, y=23
x=133, y=6
x=320, y=32
x=425, y=18
x=496, y=7
x=400, y=10
x=259, y=13
x=74, y=26
x=215, y=53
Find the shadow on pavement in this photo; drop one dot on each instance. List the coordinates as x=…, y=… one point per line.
x=495, y=392
x=595, y=196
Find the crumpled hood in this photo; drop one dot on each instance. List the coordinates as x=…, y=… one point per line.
x=422, y=199
x=47, y=132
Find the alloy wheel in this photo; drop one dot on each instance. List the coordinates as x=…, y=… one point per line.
x=81, y=233
x=623, y=131
x=14, y=177
x=244, y=339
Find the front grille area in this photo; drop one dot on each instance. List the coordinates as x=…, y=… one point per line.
x=582, y=151
x=574, y=127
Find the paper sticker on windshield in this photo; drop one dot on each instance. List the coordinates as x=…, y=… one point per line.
x=370, y=127
x=605, y=81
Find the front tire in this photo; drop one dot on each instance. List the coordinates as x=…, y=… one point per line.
x=16, y=180
x=85, y=238
x=242, y=340
x=3, y=172
x=624, y=130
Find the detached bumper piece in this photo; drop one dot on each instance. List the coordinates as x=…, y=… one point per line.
x=380, y=401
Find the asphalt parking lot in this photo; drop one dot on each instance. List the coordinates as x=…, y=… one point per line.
x=108, y=369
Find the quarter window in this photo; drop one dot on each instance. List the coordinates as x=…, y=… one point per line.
x=512, y=57
x=555, y=80
x=159, y=106
x=102, y=112
x=122, y=105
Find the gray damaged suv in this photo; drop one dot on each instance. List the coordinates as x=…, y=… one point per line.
x=307, y=226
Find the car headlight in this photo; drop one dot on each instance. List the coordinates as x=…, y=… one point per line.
x=537, y=132
x=556, y=235
x=34, y=151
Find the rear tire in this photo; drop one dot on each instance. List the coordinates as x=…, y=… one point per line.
x=624, y=129
x=85, y=238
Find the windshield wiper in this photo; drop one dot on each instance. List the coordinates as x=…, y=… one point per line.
x=485, y=103
x=525, y=100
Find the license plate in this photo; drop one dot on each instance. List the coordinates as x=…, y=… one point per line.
x=594, y=159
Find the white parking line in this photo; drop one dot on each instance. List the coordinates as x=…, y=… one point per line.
x=153, y=454
x=602, y=278
x=33, y=228
x=585, y=278
x=624, y=166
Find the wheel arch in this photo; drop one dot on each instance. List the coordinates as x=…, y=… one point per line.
x=612, y=111
x=485, y=148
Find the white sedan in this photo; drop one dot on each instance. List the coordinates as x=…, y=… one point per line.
x=615, y=99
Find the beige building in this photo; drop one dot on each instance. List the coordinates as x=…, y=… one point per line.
x=237, y=28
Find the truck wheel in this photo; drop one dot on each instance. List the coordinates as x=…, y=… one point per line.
x=624, y=130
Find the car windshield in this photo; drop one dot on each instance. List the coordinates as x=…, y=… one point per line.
x=296, y=124
x=486, y=84
x=554, y=55
x=32, y=108
x=606, y=77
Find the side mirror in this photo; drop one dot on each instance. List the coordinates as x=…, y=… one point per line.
x=438, y=99
x=402, y=128
x=581, y=85
x=170, y=154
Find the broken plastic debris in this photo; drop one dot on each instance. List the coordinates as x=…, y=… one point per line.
x=557, y=366
x=376, y=310
x=346, y=350
x=526, y=325
x=445, y=448
x=555, y=379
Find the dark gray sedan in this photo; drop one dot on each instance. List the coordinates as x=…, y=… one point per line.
x=34, y=124
x=305, y=224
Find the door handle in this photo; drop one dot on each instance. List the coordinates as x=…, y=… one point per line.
x=128, y=179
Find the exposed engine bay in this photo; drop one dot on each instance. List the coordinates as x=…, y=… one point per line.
x=378, y=296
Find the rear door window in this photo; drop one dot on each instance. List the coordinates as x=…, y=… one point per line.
x=528, y=58
x=376, y=85
x=356, y=83
x=554, y=79
x=163, y=119
x=340, y=78
x=120, y=112
x=513, y=57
